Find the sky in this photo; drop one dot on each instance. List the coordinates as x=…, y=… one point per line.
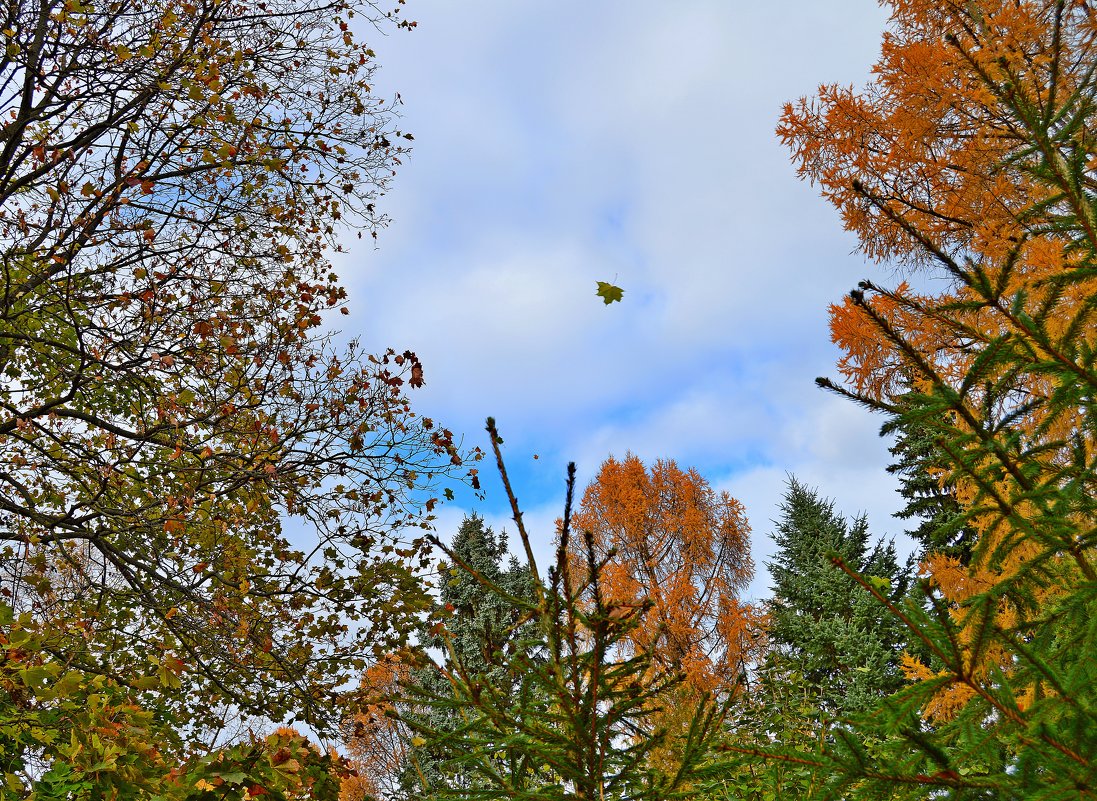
x=560, y=144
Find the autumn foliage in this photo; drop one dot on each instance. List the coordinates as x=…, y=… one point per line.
x=970, y=158
x=970, y=155
x=669, y=537
x=377, y=744
x=969, y=148
x=939, y=147
x=561, y=698
x=205, y=505
x=173, y=179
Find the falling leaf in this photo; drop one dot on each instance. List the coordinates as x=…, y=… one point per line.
x=609, y=293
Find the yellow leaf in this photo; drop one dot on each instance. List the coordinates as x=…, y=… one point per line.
x=609, y=293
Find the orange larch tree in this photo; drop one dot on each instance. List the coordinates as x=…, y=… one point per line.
x=971, y=158
x=970, y=146
x=670, y=537
x=377, y=742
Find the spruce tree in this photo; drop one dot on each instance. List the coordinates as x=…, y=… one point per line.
x=921, y=466
x=824, y=626
x=480, y=624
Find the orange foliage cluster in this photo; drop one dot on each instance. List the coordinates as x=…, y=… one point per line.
x=922, y=148
x=376, y=741
x=684, y=546
x=935, y=158
x=969, y=153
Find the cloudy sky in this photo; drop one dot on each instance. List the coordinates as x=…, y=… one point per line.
x=559, y=144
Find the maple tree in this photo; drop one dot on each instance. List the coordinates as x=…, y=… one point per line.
x=201, y=493
x=667, y=535
x=971, y=156
x=66, y=734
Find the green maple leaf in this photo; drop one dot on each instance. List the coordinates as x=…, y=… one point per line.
x=609, y=293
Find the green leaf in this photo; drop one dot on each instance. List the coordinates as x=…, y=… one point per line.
x=234, y=777
x=147, y=683
x=69, y=683
x=609, y=293
x=35, y=677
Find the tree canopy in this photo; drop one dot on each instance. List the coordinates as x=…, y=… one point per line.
x=201, y=494
x=971, y=156
x=665, y=534
x=212, y=512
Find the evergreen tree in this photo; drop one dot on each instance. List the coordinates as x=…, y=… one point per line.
x=480, y=623
x=921, y=466
x=473, y=622
x=826, y=627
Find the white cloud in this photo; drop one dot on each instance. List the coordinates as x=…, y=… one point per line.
x=560, y=144
x=834, y=449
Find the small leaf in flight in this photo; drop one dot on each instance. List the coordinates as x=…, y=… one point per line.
x=609, y=293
